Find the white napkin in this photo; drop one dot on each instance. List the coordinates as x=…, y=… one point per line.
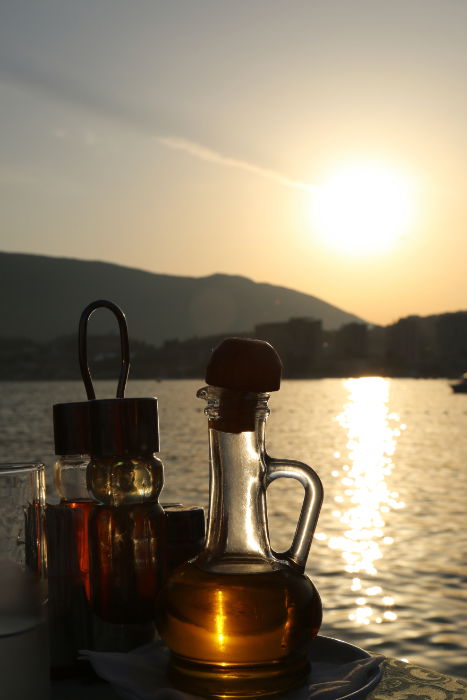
x=141, y=675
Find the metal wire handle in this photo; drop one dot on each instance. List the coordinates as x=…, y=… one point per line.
x=83, y=346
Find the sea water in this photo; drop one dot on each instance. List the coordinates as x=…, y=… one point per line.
x=389, y=557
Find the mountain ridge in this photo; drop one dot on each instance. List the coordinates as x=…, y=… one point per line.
x=41, y=297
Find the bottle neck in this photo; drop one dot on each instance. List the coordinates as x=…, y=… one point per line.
x=237, y=538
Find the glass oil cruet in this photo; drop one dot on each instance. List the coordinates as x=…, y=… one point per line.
x=239, y=617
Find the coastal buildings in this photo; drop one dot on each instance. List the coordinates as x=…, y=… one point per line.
x=415, y=346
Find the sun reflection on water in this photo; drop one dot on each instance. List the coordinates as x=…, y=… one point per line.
x=364, y=495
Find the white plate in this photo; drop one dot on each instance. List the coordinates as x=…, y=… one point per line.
x=323, y=650
x=335, y=651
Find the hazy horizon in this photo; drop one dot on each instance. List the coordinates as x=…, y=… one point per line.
x=317, y=145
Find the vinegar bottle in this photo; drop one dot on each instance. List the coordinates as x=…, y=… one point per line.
x=71, y=424
x=239, y=617
x=70, y=619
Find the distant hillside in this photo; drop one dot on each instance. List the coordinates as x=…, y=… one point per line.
x=42, y=297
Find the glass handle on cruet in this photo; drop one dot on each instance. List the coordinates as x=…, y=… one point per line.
x=290, y=469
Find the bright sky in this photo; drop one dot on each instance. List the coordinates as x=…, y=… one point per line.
x=316, y=144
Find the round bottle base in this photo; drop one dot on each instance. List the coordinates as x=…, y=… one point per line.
x=235, y=680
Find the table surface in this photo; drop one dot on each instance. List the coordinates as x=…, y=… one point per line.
x=403, y=681
x=400, y=681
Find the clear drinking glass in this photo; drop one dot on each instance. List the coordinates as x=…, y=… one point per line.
x=24, y=662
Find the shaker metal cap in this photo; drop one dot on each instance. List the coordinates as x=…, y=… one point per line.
x=71, y=428
x=245, y=364
x=118, y=426
x=106, y=427
x=123, y=426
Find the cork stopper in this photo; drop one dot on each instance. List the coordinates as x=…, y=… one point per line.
x=245, y=364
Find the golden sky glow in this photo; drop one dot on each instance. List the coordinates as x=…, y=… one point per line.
x=315, y=145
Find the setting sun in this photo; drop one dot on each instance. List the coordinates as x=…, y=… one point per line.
x=363, y=209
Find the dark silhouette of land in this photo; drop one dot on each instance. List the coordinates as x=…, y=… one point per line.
x=42, y=297
x=174, y=323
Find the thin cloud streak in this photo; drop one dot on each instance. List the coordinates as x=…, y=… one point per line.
x=201, y=152
x=56, y=86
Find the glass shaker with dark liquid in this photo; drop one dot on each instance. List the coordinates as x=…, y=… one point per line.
x=127, y=525
x=107, y=535
x=239, y=617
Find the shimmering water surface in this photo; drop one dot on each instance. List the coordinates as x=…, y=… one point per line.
x=390, y=551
